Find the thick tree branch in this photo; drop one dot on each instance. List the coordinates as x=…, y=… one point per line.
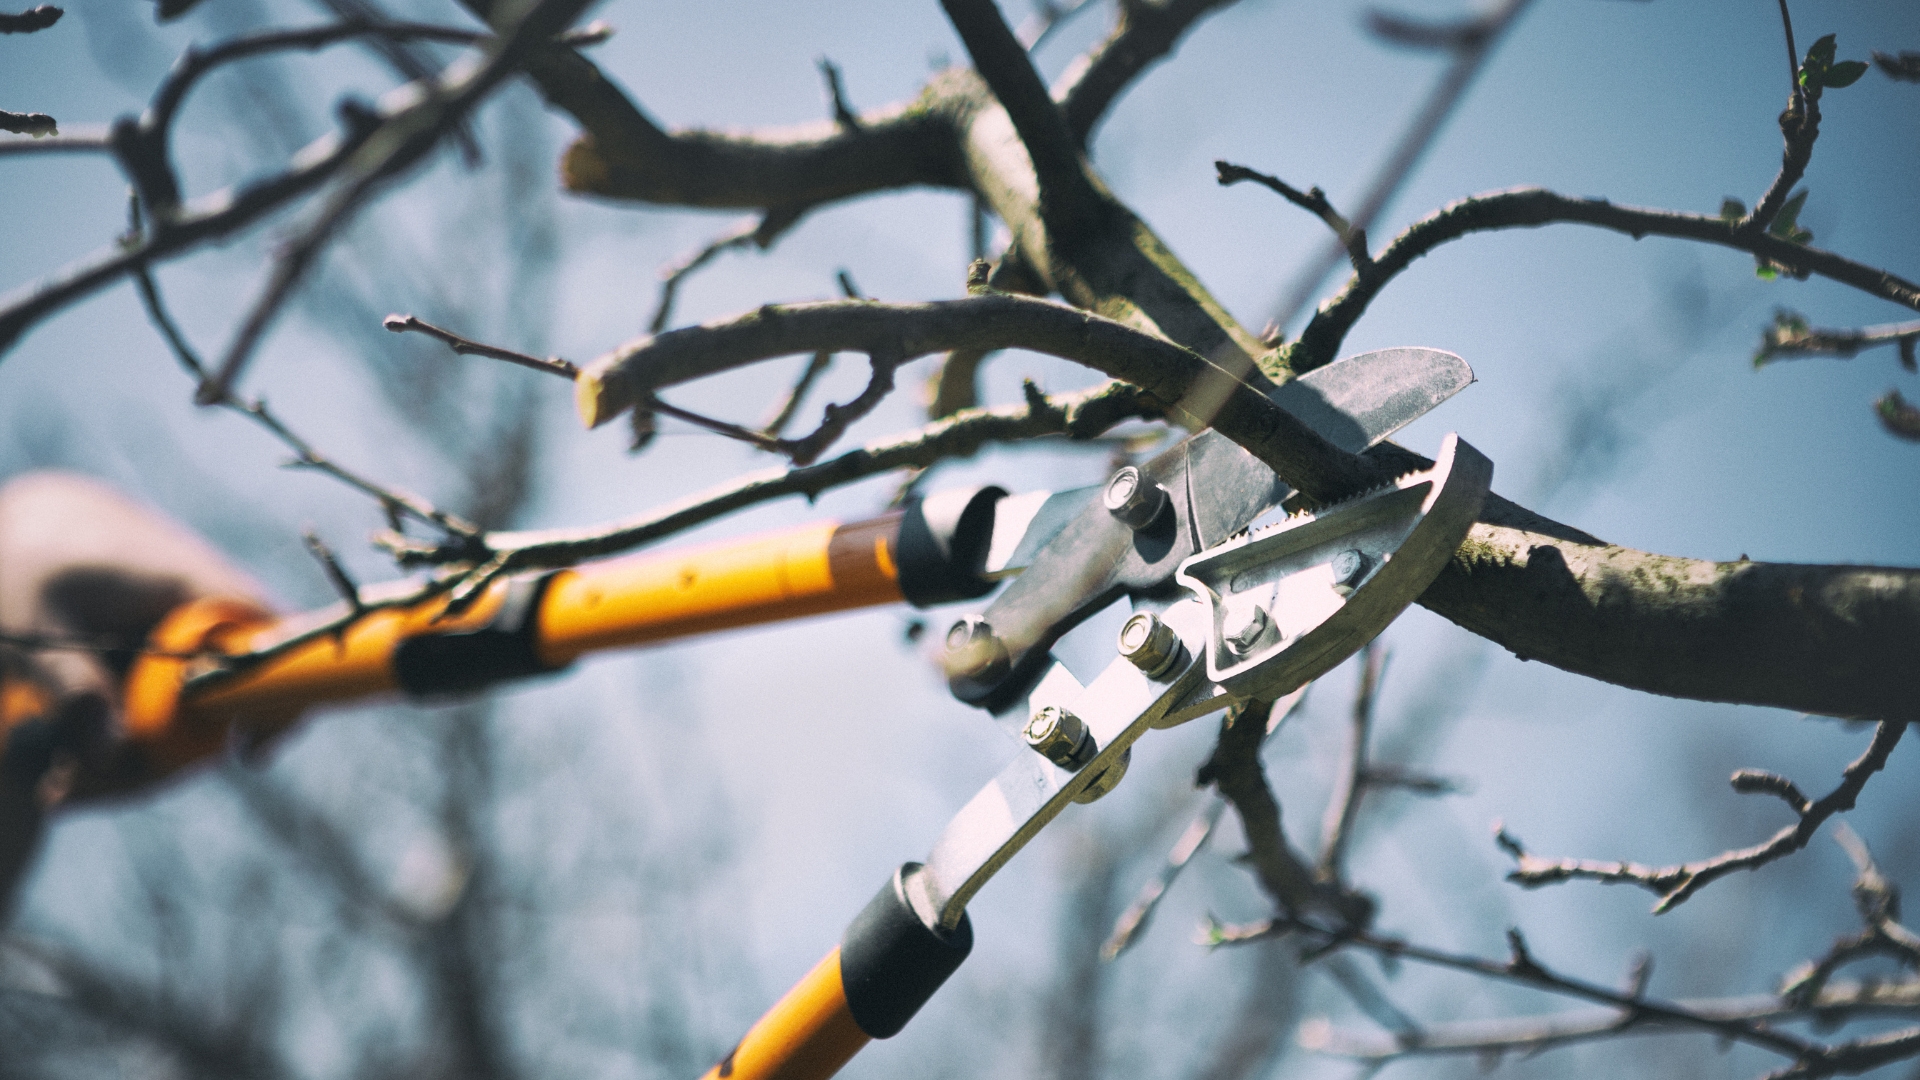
x=1675, y=884
x=1170, y=375
x=1533, y=207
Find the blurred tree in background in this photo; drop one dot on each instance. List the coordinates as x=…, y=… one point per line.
x=611, y=873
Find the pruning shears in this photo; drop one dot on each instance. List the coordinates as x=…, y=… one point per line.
x=1222, y=613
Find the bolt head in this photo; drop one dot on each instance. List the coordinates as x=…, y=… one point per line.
x=1149, y=644
x=1134, y=499
x=973, y=652
x=1059, y=736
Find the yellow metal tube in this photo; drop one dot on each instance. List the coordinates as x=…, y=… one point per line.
x=619, y=602
x=807, y=1035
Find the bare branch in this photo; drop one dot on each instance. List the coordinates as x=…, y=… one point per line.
x=1674, y=884
x=1077, y=416
x=400, y=142
x=1526, y=1036
x=1146, y=31
x=1127, y=928
x=393, y=501
x=1343, y=806
x=1472, y=43
x=552, y=365
x=1313, y=201
x=1790, y=338
x=761, y=233
x=1523, y=968
x=843, y=116
x=89, y=139
x=1066, y=193
x=30, y=20
x=782, y=415
x=1533, y=207
x=337, y=575
x=1167, y=372
x=37, y=125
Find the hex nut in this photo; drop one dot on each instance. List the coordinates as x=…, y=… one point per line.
x=1245, y=630
x=1060, y=737
x=1150, y=645
x=1349, y=567
x=1132, y=498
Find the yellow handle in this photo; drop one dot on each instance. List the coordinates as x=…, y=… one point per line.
x=619, y=602
x=807, y=1035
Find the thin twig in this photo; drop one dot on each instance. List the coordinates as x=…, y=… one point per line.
x=1082, y=415
x=1526, y=1036
x=1799, y=127
x=552, y=365
x=1674, y=884
x=1313, y=201
x=1127, y=928
x=843, y=117
x=402, y=141
x=782, y=415
x=761, y=232
x=1532, y=207
x=1523, y=968
x=392, y=500
x=82, y=643
x=337, y=575
x=1791, y=338
x=1343, y=806
x=37, y=125
x=1471, y=43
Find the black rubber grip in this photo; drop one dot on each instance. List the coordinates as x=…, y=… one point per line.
x=941, y=558
x=468, y=660
x=891, y=962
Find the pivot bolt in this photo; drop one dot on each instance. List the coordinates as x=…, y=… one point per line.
x=1150, y=645
x=973, y=652
x=1348, y=568
x=1130, y=497
x=1060, y=737
x=1246, y=630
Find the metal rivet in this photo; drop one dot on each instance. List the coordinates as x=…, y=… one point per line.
x=1348, y=568
x=1244, y=630
x=1149, y=644
x=1060, y=737
x=1130, y=497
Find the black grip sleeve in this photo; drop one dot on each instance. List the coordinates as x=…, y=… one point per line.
x=461, y=662
x=941, y=554
x=891, y=962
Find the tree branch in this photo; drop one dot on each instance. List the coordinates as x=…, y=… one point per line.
x=1791, y=338
x=1077, y=416
x=31, y=20
x=401, y=324
x=1343, y=806
x=1526, y=1036
x=1533, y=207
x=400, y=142
x=1675, y=884
x=1313, y=202
x=1146, y=31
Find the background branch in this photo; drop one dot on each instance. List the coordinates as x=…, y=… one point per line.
x=1674, y=884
